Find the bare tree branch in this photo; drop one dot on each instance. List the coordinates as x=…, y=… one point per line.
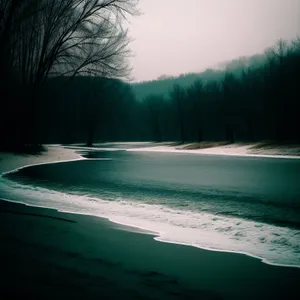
x=69, y=37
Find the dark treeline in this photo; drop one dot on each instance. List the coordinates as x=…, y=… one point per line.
x=252, y=100
x=88, y=109
x=57, y=66
x=163, y=84
x=41, y=40
x=246, y=102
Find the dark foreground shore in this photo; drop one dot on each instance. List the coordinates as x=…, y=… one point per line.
x=50, y=255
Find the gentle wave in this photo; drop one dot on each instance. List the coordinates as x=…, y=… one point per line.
x=273, y=244
x=225, y=202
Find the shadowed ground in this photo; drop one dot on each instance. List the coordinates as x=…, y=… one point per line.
x=46, y=257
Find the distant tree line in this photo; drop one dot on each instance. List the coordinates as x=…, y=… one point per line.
x=252, y=102
x=164, y=83
x=60, y=68
x=88, y=109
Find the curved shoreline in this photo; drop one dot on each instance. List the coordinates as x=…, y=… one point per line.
x=43, y=256
x=157, y=236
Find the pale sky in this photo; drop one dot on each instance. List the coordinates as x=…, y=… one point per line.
x=179, y=36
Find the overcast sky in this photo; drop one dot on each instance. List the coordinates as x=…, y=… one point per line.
x=180, y=36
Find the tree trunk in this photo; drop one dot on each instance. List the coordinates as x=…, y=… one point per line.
x=91, y=134
x=229, y=135
x=157, y=131
x=200, y=136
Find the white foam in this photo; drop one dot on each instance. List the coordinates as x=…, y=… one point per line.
x=273, y=244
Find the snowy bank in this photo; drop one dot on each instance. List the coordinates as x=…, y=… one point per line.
x=253, y=150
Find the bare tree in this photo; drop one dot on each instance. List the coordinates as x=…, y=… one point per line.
x=46, y=38
x=296, y=45
x=196, y=94
x=178, y=95
x=154, y=104
x=230, y=105
x=71, y=37
x=278, y=77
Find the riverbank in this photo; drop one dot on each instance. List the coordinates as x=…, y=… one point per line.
x=260, y=149
x=10, y=161
x=236, y=149
x=46, y=254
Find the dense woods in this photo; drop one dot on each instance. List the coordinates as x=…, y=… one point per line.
x=87, y=109
x=42, y=39
x=253, y=99
x=61, y=77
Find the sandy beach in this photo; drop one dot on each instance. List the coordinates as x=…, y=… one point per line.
x=47, y=254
